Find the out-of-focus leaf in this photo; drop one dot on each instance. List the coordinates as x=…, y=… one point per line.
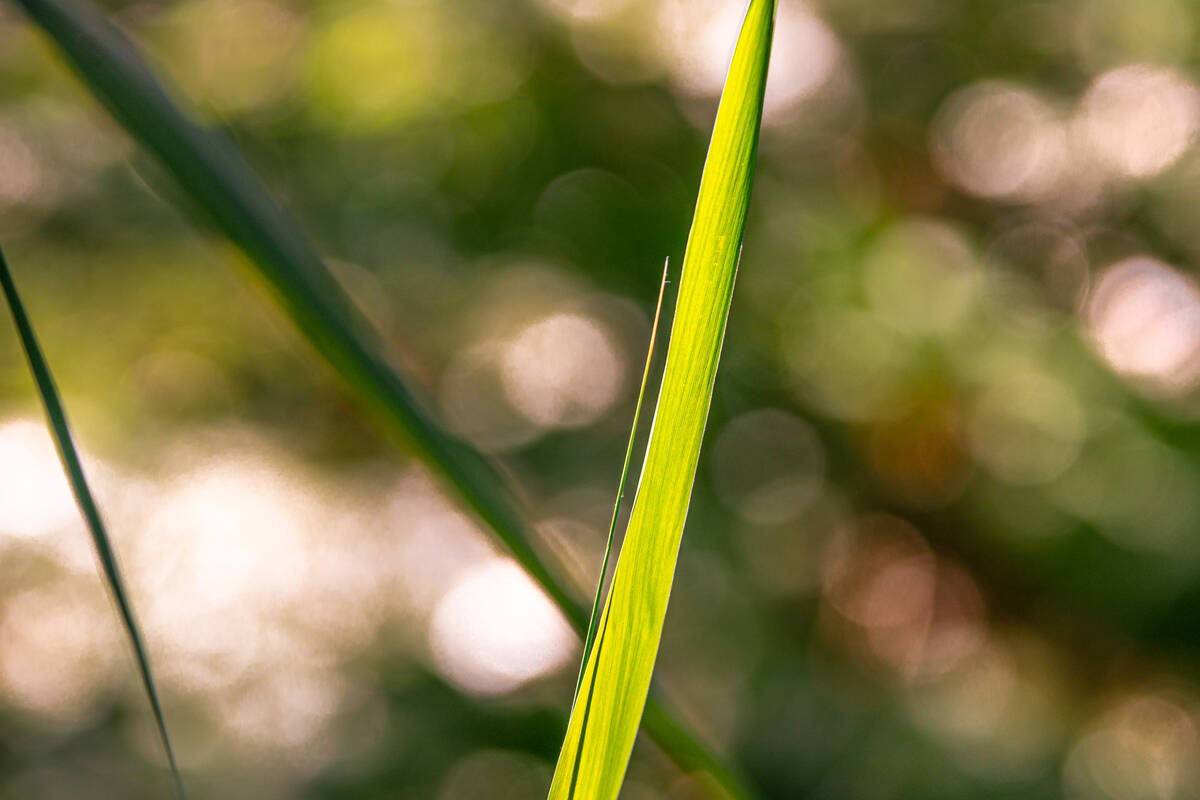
x=56, y=416
x=216, y=178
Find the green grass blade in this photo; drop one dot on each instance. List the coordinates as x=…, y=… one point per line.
x=605, y=720
x=57, y=418
x=594, y=619
x=219, y=182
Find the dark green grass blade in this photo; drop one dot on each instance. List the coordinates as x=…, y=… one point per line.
x=594, y=619
x=219, y=182
x=57, y=418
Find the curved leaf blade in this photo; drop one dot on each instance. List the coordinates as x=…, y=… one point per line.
x=607, y=714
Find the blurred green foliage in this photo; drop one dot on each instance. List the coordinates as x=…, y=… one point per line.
x=943, y=540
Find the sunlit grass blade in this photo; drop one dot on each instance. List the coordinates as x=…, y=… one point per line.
x=616, y=675
x=594, y=619
x=219, y=182
x=57, y=418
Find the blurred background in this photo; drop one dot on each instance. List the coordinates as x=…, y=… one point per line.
x=945, y=539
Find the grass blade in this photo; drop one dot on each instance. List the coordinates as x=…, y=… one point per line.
x=617, y=674
x=57, y=418
x=219, y=182
x=594, y=619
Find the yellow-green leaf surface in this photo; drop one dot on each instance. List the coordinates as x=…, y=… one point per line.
x=616, y=676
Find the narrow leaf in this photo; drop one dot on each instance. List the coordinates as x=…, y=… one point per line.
x=616, y=676
x=57, y=419
x=594, y=620
x=219, y=182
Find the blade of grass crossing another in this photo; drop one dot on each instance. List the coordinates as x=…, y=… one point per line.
x=57, y=418
x=220, y=183
x=616, y=677
x=594, y=619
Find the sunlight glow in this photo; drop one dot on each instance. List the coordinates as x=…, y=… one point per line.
x=59, y=648
x=1144, y=749
x=1145, y=319
x=562, y=371
x=1138, y=120
x=805, y=55
x=908, y=609
x=496, y=630
x=35, y=498
x=1000, y=141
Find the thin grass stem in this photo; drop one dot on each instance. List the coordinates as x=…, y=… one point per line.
x=56, y=416
x=594, y=619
